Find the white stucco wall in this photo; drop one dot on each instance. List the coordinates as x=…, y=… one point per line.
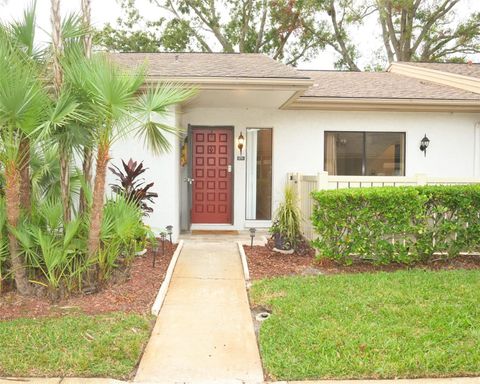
x=163, y=170
x=298, y=141
x=298, y=147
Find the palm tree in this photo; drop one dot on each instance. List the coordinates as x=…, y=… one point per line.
x=87, y=150
x=115, y=97
x=22, y=35
x=64, y=150
x=23, y=103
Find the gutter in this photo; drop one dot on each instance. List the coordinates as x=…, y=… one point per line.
x=389, y=105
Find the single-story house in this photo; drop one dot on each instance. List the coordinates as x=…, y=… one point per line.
x=255, y=120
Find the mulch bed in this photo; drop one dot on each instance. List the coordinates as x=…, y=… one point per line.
x=135, y=295
x=263, y=263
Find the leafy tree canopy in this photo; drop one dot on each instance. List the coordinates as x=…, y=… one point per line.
x=298, y=30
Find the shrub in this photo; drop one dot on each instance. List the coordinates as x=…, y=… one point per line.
x=286, y=223
x=132, y=188
x=396, y=224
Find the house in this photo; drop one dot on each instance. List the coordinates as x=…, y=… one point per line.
x=256, y=120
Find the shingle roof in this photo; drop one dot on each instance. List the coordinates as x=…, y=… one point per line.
x=233, y=65
x=380, y=85
x=472, y=70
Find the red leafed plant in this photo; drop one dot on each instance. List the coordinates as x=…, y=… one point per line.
x=132, y=188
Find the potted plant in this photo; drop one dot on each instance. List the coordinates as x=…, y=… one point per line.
x=286, y=224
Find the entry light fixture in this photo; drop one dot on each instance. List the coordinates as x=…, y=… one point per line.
x=424, y=144
x=241, y=142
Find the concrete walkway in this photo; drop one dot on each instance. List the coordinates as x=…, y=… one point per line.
x=204, y=332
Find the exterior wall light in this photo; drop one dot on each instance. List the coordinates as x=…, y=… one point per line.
x=241, y=142
x=424, y=144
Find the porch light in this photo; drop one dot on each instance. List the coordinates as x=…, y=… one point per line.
x=241, y=142
x=169, y=229
x=424, y=144
x=252, y=235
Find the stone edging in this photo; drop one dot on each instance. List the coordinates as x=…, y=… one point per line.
x=243, y=256
x=162, y=292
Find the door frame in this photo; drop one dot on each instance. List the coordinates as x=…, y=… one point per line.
x=191, y=129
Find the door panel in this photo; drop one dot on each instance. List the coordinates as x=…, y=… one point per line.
x=212, y=161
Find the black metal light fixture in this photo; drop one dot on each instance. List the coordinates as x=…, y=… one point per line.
x=155, y=251
x=169, y=229
x=241, y=142
x=424, y=144
x=163, y=236
x=252, y=236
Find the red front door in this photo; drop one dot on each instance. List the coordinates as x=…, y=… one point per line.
x=212, y=162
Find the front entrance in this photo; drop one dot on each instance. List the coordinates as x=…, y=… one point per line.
x=212, y=174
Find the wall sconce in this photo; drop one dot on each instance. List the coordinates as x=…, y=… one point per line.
x=241, y=142
x=424, y=144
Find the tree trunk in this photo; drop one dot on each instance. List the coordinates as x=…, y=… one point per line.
x=98, y=193
x=12, y=192
x=86, y=16
x=87, y=174
x=87, y=152
x=57, y=45
x=65, y=182
x=25, y=183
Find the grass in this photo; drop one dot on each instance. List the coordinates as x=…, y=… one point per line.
x=104, y=345
x=384, y=325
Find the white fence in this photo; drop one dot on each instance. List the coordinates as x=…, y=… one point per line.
x=305, y=184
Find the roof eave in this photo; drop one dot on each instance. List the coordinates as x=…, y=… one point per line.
x=466, y=83
x=387, y=105
x=229, y=83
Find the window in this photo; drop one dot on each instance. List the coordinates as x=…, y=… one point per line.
x=365, y=153
x=259, y=174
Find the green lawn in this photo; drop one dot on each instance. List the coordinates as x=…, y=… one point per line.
x=105, y=345
x=383, y=325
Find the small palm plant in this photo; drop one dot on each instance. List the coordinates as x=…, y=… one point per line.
x=115, y=97
x=286, y=224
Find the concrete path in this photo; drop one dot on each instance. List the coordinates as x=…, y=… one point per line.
x=204, y=332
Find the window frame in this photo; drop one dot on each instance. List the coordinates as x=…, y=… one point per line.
x=272, y=130
x=364, y=149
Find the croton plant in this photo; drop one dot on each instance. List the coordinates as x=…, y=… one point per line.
x=131, y=186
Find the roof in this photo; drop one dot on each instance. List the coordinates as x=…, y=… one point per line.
x=190, y=65
x=471, y=69
x=380, y=85
x=405, y=86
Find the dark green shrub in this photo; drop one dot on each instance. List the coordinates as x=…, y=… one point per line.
x=396, y=224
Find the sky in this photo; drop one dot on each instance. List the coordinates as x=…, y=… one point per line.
x=104, y=11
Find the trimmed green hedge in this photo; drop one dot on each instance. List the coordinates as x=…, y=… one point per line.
x=396, y=224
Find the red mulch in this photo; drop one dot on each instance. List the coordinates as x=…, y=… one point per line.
x=137, y=294
x=263, y=263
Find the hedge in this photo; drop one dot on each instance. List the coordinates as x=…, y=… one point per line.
x=397, y=224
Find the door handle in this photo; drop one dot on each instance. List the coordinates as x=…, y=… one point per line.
x=229, y=168
x=189, y=180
